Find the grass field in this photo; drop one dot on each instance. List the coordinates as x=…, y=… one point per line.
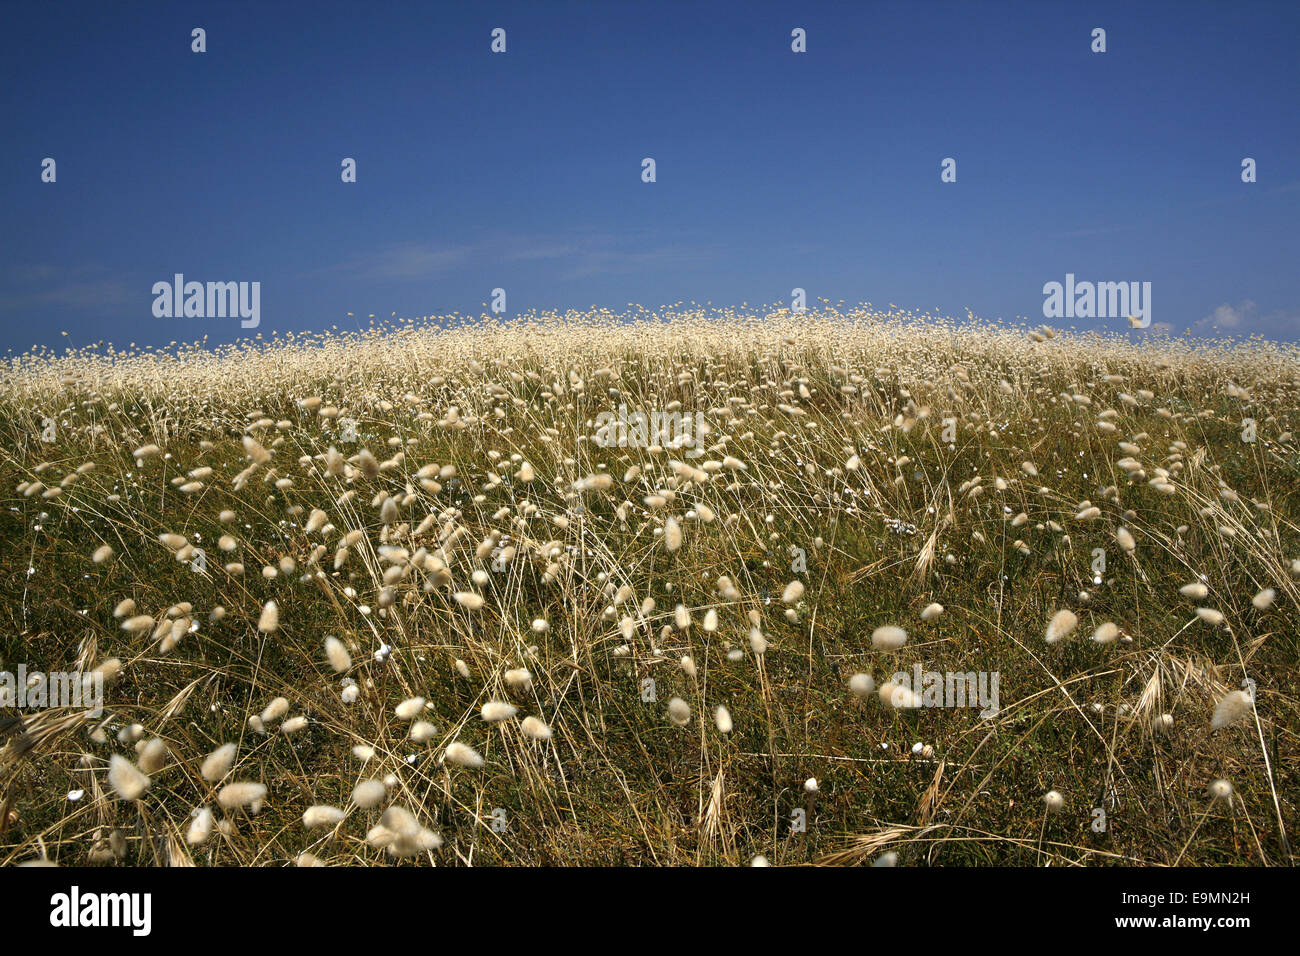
x=441, y=616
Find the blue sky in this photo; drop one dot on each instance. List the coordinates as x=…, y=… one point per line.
x=523, y=170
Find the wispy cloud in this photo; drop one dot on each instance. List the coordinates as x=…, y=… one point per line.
x=573, y=257
x=412, y=261
x=83, y=287
x=1246, y=317
x=1228, y=316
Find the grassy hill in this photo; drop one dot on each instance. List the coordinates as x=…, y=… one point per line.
x=284, y=546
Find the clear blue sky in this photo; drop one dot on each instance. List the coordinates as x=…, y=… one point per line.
x=523, y=170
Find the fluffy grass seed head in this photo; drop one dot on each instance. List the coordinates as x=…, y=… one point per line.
x=1235, y=706
x=899, y=696
x=126, y=779
x=535, y=728
x=518, y=679
x=243, y=794
x=218, y=763
x=863, y=685
x=722, y=719
x=1106, y=633
x=888, y=637
x=275, y=710
x=462, y=755
x=672, y=535
x=1220, y=789
x=322, y=816
x=409, y=709
x=269, y=621
x=497, y=710
x=1061, y=625
x=369, y=793
x=337, y=655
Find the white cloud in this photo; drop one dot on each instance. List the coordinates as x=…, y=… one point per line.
x=1231, y=316
x=1246, y=318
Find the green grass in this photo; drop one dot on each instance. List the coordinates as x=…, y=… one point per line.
x=619, y=784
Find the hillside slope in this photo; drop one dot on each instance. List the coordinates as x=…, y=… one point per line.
x=415, y=580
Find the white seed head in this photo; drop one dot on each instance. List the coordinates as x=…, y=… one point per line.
x=247, y=795
x=337, y=655
x=321, y=816
x=152, y=755
x=863, y=685
x=535, y=728
x=127, y=779
x=200, y=828
x=1235, y=706
x=409, y=709
x=518, y=679
x=1106, y=633
x=672, y=535
x=275, y=710
x=1061, y=625
x=888, y=637
x=463, y=756
x=293, y=725
x=495, y=710
x=722, y=719
x=899, y=696
x=1264, y=599
x=470, y=600
x=1125, y=539
x=270, y=618
x=369, y=793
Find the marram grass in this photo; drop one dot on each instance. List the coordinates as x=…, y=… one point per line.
x=394, y=598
